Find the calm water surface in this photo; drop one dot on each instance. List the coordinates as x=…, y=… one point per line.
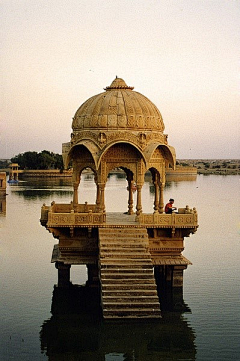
x=210, y=331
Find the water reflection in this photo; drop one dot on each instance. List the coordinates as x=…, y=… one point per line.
x=210, y=285
x=3, y=205
x=181, y=177
x=40, y=189
x=76, y=330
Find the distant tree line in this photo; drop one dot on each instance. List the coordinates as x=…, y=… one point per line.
x=41, y=160
x=4, y=164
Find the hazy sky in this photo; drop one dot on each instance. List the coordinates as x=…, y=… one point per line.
x=183, y=55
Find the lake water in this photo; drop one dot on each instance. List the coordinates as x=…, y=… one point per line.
x=209, y=331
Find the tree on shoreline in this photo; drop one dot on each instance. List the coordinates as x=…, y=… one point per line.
x=41, y=160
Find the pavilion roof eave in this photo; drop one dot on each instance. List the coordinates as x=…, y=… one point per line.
x=171, y=261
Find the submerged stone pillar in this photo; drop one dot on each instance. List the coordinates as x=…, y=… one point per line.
x=177, y=276
x=93, y=275
x=63, y=274
x=177, y=287
x=170, y=287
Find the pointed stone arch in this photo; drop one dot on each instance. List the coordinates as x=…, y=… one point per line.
x=89, y=145
x=168, y=153
x=82, y=158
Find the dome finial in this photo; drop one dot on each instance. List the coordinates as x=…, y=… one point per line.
x=118, y=83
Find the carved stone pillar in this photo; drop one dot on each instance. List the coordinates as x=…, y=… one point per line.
x=63, y=274
x=75, y=191
x=139, y=199
x=130, y=197
x=161, y=202
x=156, y=188
x=102, y=197
x=97, y=194
x=130, y=193
x=75, y=194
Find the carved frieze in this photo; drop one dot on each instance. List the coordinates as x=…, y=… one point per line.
x=170, y=221
x=140, y=139
x=77, y=136
x=155, y=136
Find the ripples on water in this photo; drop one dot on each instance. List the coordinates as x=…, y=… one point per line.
x=211, y=286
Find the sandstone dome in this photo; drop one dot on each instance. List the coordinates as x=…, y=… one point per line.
x=119, y=107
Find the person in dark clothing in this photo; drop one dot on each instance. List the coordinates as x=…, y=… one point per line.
x=169, y=206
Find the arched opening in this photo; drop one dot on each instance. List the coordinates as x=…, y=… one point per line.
x=83, y=169
x=120, y=191
x=121, y=175
x=87, y=187
x=153, y=184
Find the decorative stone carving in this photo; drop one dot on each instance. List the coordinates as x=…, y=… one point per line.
x=102, y=139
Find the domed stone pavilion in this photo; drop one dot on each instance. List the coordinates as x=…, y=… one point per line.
x=132, y=258
x=120, y=128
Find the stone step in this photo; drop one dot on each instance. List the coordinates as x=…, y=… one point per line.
x=116, y=293
x=138, y=266
x=122, y=256
x=128, y=278
x=123, y=231
x=124, y=246
x=124, y=250
x=128, y=287
x=126, y=273
x=125, y=262
x=144, y=287
x=131, y=281
x=125, y=237
x=126, y=269
x=128, y=305
x=134, y=242
x=128, y=259
x=132, y=314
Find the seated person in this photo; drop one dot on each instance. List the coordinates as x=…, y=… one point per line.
x=169, y=207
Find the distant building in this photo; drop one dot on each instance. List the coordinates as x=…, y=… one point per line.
x=13, y=173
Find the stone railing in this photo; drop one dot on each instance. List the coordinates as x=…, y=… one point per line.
x=185, y=218
x=65, y=215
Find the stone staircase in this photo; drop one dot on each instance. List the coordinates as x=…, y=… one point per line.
x=128, y=288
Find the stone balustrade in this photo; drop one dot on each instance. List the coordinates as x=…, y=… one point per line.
x=185, y=218
x=67, y=215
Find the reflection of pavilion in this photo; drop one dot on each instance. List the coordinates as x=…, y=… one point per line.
x=127, y=255
x=76, y=332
